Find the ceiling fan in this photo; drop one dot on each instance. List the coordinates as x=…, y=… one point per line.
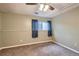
x=43, y=6
x=31, y=3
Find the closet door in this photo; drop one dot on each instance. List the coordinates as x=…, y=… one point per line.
x=34, y=28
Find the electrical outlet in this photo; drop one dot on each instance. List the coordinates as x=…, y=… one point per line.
x=21, y=40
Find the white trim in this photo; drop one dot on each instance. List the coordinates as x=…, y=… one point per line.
x=24, y=44
x=41, y=42
x=66, y=47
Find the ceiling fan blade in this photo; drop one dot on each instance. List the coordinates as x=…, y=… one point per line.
x=30, y=3
x=51, y=8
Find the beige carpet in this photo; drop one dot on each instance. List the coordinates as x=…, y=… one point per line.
x=44, y=49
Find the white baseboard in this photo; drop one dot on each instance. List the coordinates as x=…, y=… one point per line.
x=41, y=42
x=67, y=47
x=25, y=44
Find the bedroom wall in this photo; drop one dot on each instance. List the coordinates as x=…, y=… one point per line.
x=0, y=31
x=17, y=30
x=66, y=28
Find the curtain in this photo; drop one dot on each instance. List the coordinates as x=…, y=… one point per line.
x=49, y=28
x=34, y=28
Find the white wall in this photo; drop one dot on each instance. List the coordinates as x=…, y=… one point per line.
x=17, y=30
x=66, y=28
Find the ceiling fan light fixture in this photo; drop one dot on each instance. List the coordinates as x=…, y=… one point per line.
x=41, y=7
x=46, y=7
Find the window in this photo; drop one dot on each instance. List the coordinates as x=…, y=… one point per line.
x=42, y=25
x=45, y=26
x=39, y=25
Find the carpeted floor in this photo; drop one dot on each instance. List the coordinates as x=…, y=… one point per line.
x=43, y=49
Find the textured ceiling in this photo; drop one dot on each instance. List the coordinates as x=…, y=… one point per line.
x=21, y=8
